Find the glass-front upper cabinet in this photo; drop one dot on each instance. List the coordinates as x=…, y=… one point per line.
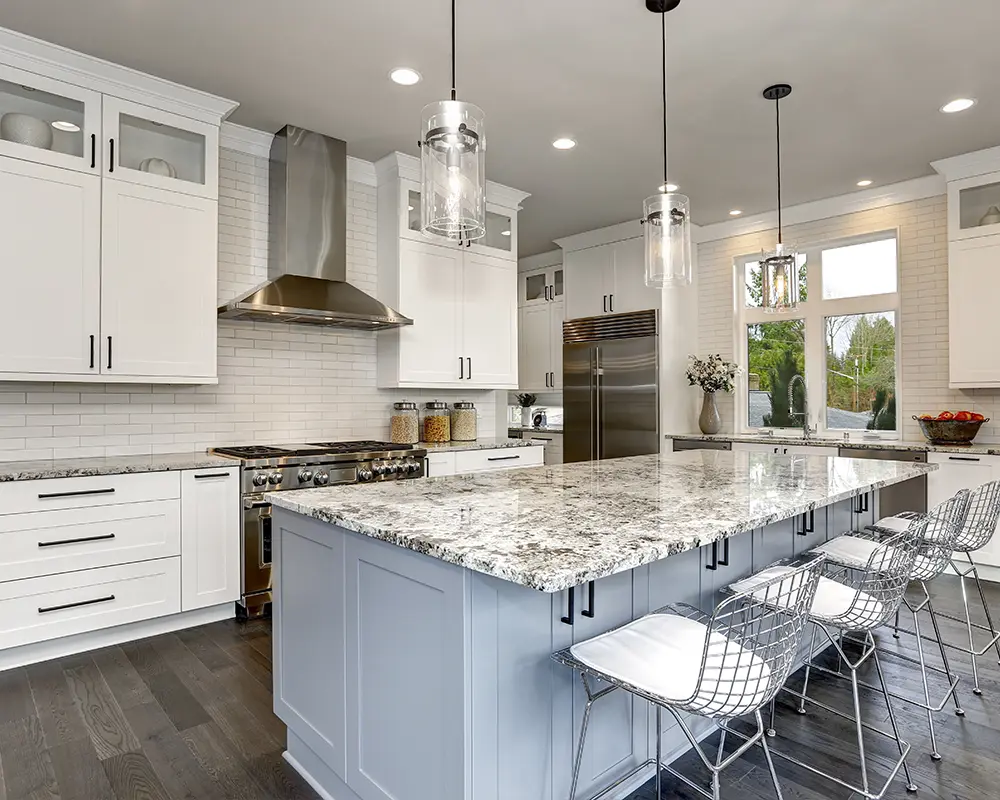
x=979, y=208
x=156, y=148
x=48, y=121
x=542, y=285
x=501, y=227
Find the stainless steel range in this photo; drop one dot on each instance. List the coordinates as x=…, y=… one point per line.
x=280, y=468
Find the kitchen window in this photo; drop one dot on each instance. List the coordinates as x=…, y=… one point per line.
x=836, y=353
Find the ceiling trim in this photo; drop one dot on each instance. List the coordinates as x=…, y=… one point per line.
x=552, y=258
x=969, y=165
x=44, y=58
x=612, y=233
x=258, y=143
x=866, y=200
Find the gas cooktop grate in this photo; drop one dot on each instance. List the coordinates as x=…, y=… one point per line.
x=252, y=451
x=359, y=447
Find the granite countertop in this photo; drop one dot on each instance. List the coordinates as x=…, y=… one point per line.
x=490, y=443
x=551, y=528
x=985, y=449
x=109, y=465
x=529, y=429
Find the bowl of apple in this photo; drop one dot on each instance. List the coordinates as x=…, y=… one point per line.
x=951, y=427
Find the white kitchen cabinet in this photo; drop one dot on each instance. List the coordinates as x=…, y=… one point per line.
x=608, y=279
x=960, y=471
x=540, y=344
x=210, y=537
x=630, y=290
x=553, y=446
x=442, y=464
x=540, y=286
x=973, y=324
x=50, y=245
x=489, y=320
x=158, y=283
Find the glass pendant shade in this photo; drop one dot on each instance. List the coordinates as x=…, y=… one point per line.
x=453, y=170
x=780, y=279
x=667, y=233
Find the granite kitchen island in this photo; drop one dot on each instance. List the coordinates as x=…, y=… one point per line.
x=413, y=621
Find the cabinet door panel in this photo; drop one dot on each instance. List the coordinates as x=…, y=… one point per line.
x=429, y=281
x=210, y=537
x=535, y=348
x=489, y=321
x=158, y=283
x=973, y=286
x=50, y=245
x=963, y=472
x=557, y=313
x=588, y=274
x=629, y=291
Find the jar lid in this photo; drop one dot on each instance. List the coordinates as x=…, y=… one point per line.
x=436, y=404
x=404, y=406
x=464, y=404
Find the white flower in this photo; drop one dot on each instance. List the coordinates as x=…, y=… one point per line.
x=713, y=375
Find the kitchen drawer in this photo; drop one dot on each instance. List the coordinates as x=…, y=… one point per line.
x=49, y=542
x=38, y=609
x=52, y=494
x=502, y=458
x=440, y=465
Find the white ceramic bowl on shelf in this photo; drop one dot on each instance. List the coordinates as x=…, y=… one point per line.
x=157, y=166
x=26, y=129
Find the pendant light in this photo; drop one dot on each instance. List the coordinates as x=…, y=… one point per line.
x=779, y=267
x=667, y=215
x=453, y=164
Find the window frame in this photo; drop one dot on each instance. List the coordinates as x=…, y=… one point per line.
x=814, y=312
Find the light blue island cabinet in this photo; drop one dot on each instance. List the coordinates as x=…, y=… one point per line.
x=414, y=622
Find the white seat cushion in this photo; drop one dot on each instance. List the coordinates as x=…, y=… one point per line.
x=894, y=524
x=661, y=655
x=854, y=552
x=835, y=604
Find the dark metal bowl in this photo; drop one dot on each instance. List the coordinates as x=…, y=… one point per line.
x=950, y=431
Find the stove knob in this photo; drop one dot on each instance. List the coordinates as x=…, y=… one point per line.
x=365, y=474
x=274, y=478
x=399, y=466
x=260, y=479
x=380, y=468
x=321, y=478
x=412, y=466
x=305, y=476
x=390, y=468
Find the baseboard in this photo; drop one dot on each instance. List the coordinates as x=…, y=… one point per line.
x=93, y=640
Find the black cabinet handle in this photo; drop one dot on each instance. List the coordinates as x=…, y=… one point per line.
x=92, y=351
x=605, y=303
x=547, y=298
x=611, y=302
x=81, y=540
x=503, y=458
x=107, y=599
x=82, y=493
x=111, y=166
x=427, y=467
x=715, y=557
x=808, y=523
x=461, y=368
x=552, y=292
x=211, y=475
x=862, y=503
x=470, y=369
x=589, y=611
x=570, y=608
x=93, y=151
x=546, y=380
x=109, y=352
x=963, y=458
x=724, y=561
x=865, y=498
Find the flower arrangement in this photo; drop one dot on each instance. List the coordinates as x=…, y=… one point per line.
x=714, y=374
x=526, y=400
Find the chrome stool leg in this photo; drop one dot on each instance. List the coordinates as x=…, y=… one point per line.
x=986, y=605
x=910, y=785
x=959, y=711
x=770, y=763
x=927, y=692
x=659, y=754
x=583, y=736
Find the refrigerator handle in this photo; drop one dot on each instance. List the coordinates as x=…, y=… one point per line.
x=599, y=415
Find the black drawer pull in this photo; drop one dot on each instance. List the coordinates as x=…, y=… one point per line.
x=724, y=561
x=570, y=609
x=82, y=493
x=503, y=458
x=211, y=475
x=93, y=151
x=102, y=538
x=963, y=458
x=715, y=557
x=589, y=611
x=109, y=352
x=808, y=523
x=96, y=600
x=91, y=351
x=111, y=165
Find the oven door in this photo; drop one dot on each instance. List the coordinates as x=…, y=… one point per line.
x=256, y=546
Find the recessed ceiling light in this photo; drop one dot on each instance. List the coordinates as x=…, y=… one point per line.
x=505, y=233
x=669, y=187
x=564, y=144
x=405, y=76
x=735, y=212
x=62, y=125
x=961, y=104
x=865, y=182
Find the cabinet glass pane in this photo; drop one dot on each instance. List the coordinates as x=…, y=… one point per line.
x=413, y=210
x=979, y=206
x=534, y=287
x=497, y=231
x=557, y=282
x=35, y=118
x=161, y=149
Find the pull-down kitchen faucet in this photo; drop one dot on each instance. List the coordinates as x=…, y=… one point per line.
x=807, y=430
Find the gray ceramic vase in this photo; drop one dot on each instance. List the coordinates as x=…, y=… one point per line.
x=710, y=422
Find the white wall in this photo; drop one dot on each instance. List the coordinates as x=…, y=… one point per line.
x=277, y=382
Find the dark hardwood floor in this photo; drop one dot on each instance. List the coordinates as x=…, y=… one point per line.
x=187, y=716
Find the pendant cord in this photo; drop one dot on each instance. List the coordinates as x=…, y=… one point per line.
x=663, y=26
x=777, y=128
x=454, y=89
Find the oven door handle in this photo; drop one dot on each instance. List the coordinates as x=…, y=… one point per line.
x=255, y=502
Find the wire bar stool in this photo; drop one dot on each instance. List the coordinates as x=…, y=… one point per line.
x=935, y=535
x=854, y=600
x=721, y=667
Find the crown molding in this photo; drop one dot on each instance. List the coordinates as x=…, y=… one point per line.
x=44, y=58
x=866, y=200
x=359, y=171
x=550, y=259
x=594, y=238
x=969, y=165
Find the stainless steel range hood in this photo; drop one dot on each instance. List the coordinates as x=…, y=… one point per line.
x=307, y=249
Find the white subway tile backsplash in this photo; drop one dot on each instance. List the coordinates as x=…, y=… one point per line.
x=276, y=382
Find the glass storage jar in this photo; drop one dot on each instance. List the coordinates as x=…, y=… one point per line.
x=464, y=422
x=437, y=422
x=405, y=423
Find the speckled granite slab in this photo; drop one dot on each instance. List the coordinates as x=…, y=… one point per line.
x=110, y=465
x=985, y=449
x=555, y=527
x=479, y=444
x=529, y=429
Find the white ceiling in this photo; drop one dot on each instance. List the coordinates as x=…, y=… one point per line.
x=868, y=79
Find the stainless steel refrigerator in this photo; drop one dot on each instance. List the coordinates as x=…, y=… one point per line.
x=610, y=386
